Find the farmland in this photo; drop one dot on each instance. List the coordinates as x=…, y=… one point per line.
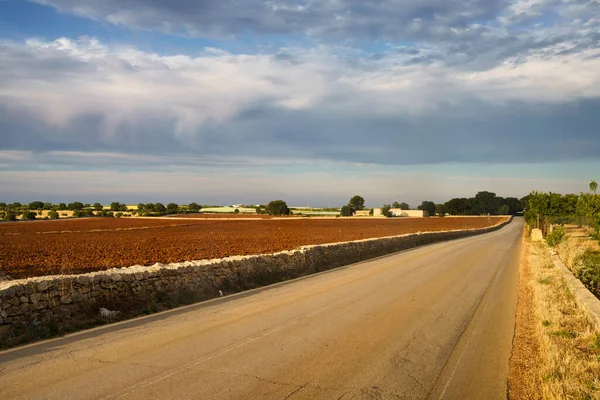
x=86, y=245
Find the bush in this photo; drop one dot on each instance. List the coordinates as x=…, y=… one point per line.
x=236, y=211
x=278, y=207
x=29, y=215
x=589, y=271
x=385, y=210
x=10, y=216
x=558, y=235
x=119, y=214
x=346, y=211
x=53, y=215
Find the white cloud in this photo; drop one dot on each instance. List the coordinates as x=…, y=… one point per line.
x=125, y=85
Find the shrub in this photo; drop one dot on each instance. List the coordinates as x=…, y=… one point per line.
x=30, y=215
x=194, y=207
x=346, y=211
x=385, y=210
x=558, y=235
x=119, y=214
x=10, y=216
x=278, y=207
x=53, y=215
x=589, y=271
x=236, y=211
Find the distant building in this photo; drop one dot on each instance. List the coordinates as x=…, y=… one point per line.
x=397, y=212
x=362, y=213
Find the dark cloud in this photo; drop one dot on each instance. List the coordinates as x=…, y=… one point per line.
x=513, y=133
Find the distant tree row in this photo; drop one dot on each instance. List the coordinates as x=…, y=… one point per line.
x=10, y=212
x=482, y=203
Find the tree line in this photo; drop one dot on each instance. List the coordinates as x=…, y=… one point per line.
x=33, y=210
x=483, y=202
x=546, y=208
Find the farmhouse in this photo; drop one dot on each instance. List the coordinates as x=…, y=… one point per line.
x=362, y=213
x=397, y=212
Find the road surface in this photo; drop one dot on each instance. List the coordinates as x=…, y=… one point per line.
x=433, y=322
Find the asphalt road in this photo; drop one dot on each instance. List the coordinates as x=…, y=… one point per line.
x=433, y=322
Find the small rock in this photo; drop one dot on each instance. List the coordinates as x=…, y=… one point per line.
x=82, y=280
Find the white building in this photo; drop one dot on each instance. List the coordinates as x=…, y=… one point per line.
x=397, y=212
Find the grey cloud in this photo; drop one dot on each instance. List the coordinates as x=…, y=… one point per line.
x=483, y=134
x=477, y=32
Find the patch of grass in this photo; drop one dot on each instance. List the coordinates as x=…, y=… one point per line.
x=545, y=281
x=545, y=323
x=564, y=334
x=558, y=235
x=596, y=343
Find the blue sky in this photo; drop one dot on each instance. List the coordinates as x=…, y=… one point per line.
x=310, y=101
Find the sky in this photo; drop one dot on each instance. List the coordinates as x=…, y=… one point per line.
x=310, y=101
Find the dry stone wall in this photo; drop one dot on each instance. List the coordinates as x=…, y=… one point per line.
x=44, y=306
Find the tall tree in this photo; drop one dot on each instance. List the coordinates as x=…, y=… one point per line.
x=357, y=203
x=428, y=206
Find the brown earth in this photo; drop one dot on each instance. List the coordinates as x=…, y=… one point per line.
x=77, y=246
x=221, y=216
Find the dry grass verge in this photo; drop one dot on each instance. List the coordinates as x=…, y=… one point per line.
x=581, y=254
x=556, y=352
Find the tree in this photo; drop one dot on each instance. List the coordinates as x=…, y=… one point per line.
x=504, y=210
x=10, y=216
x=115, y=206
x=36, y=205
x=439, y=210
x=428, y=206
x=395, y=205
x=98, y=207
x=485, y=203
x=172, y=208
x=346, y=211
x=593, y=186
x=194, y=207
x=149, y=207
x=62, y=206
x=357, y=203
x=16, y=205
x=30, y=215
x=2, y=206
x=75, y=206
x=159, y=208
x=48, y=206
x=278, y=207
x=53, y=215
x=236, y=211
x=385, y=210
x=141, y=207
x=404, y=206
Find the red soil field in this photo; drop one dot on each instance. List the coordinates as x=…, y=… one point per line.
x=84, y=245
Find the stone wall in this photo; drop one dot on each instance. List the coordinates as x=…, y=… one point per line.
x=44, y=306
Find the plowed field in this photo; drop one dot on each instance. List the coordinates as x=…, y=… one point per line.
x=76, y=246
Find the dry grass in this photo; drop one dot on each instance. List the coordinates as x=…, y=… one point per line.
x=556, y=353
x=577, y=244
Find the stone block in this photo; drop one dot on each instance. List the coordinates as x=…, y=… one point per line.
x=43, y=285
x=12, y=311
x=82, y=280
x=7, y=293
x=536, y=235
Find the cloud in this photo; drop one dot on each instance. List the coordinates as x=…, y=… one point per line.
x=475, y=32
x=80, y=95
